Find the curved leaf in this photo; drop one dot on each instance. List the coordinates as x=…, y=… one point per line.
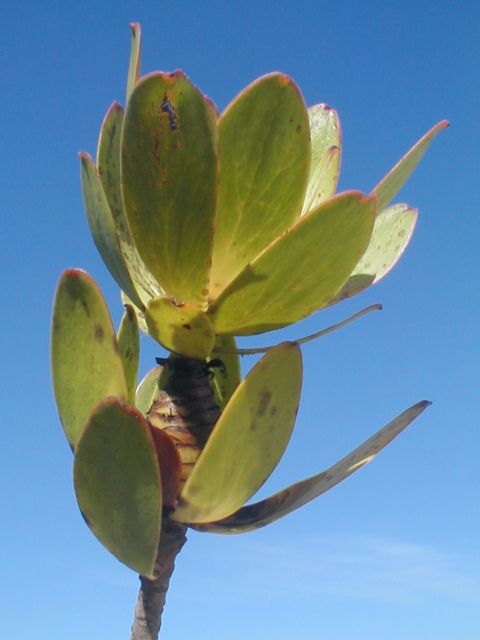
x=148, y=390
x=86, y=363
x=226, y=378
x=169, y=176
x=248, y=440
x=135, y=57
x=392, y=231
x=117, y=483
x=301, y=271
x=108, y=162
x=183, y=329
x=391, y=184
x=266, y=511
x=103, y=228
x=265, y=162
x=326, y=142
x=129, y=346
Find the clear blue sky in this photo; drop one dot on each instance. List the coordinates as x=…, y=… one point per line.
x=394, y=551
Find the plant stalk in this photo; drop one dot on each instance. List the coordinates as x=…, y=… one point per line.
x=153, y=590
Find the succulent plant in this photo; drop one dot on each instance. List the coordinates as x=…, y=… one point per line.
x=213, y=226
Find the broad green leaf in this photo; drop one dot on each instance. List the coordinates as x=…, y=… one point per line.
x=183, y=329
x=86, y=362
x=266, y=511
x=392, y=232
x=248, y=440
x=103, y=229
x=148, y=390
x=326, y=143
x=301, y=271
x=129, y=345
x=226, y=378
x=117, y=483
x=135, y=57
x=169, y=175
x=391, y=184
x=108, y=162
x=265, y=163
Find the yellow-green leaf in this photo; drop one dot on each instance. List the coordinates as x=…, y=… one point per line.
x=183, y=329
x=117, y=483
x=326, y=143
x=392, y=232
x=248, y=439
x=301, y=271
x=149, y=389
x=169, y=178
x=226, y=377
x=86, y=362
x=135, y=57
x=265, y=163
x=284, y=502
x=391, y=184
x=129, y=345
x=108, y=163
x=103, y=228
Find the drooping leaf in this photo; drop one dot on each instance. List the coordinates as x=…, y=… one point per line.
x=301, y=271
x=391, y=184
x=248, y=440
x=265, y=162
x=108, y=162
x=102, y=227
x=183, y=329
x=392, y=232
x=86, y=362
x=326, y=143
x=135, y=57
x=129, y=345
x=148, y=390
x=117, y=483
x=261, y=513
x=169, y=176
x=225, y=378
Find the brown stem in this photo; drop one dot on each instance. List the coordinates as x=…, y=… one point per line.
x=153, y=591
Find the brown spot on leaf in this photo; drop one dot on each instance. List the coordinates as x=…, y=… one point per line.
x=99, y=332
x=187, y=326
x=265, y=397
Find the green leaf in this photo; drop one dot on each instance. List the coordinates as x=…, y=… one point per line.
x=301, y=271
x=103, y=228
x=391, y=184
x=227, y=378
x=265, y=163
x=266, y=511
x=129, y=345
x=248, y=440
x=149, y=389
x=169, y=174
x=86, y=363
x=117, y=483
x=326, y=143
x=135, y=57
x=183, y=329
x=392, y=231
x=108, y=162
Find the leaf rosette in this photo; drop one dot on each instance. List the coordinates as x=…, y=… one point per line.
x=213, y=226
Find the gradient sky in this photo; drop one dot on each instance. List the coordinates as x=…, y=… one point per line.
x=394, y=551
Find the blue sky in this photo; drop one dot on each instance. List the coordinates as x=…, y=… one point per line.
x=394, y=551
